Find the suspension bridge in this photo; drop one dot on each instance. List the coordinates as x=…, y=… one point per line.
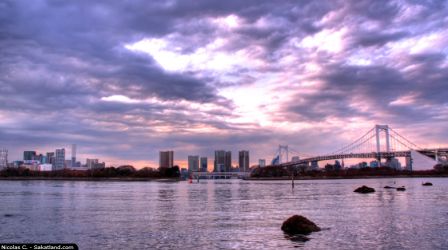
x=380, y=142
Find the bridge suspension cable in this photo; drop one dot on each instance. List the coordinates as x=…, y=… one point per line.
x=300, y=154
x=358, y=142
x=408, y=144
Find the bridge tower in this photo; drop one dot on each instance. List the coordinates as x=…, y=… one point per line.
x=283, y=153
x=378, y=130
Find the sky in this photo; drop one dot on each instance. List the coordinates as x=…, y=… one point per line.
x=126, y=79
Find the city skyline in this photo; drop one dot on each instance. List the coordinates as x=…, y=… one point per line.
x=166, y=159
x=124, y=81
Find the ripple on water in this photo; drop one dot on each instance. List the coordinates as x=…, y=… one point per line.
x=226, y=214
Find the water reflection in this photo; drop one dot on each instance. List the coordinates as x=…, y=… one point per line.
x=225, y=214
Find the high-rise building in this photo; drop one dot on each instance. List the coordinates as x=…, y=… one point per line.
x=73, y=163
x=203, y=164
x=408, y=163
x=59, y=161
x=228, y=163
x=243, y=157
x=91, y=162
x=219, y=163
x=29, y=155
x=393, y=163
x=166, y=159
x=39, y=158
x=3, y=158
x=223, y=161
x=262, y=163
x=43, y=159
x=50, y=158
x=99, y=165
x=193, y=163
x=94, y=164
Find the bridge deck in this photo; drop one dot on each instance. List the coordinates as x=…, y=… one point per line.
x=371, y=155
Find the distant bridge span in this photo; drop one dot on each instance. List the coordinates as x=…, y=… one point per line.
x=372, y=155
x=371, y=145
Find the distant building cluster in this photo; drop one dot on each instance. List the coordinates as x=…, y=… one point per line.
x=222, y=162
x=50, y=161
x=393, y=163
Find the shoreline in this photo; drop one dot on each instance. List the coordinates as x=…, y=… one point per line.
x=339, y=177
x=120, y=179
x=144, y=179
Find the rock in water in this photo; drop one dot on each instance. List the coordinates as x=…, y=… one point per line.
x=388, y=187
x=401, y=189
x=298, y=224
x=364, y=190
x=427, y=184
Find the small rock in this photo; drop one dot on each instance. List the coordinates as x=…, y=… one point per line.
x=401, y=189
x=364, y=190
x=388, y=187
x=427, y=184
x=298, y=224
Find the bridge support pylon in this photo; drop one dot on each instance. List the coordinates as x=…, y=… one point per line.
x=378, y=130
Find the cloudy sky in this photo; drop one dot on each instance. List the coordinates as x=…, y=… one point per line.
x=125, y=79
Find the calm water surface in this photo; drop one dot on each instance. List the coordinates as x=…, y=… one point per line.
x=225, y=214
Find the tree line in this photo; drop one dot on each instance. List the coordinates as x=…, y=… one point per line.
x=109, y=172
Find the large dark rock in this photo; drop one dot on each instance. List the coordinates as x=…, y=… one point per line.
x=427, y=184
x=298, y=224
x=401, y=188
x=364, y=190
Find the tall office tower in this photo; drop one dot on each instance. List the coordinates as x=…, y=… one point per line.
x=59, y=160
x=73, y=155
x=228, y=163
x=166, y=159
x=43, y=159
x=39, y=157
x=50, y=158
x=223, y=161
x=203, y=164
x=29, y=155
x=262, y=163
x=219, y=163
x=3, y=158
x=193, y=163
x=243, y=157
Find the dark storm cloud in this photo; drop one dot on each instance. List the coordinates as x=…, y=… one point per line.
x=378, y=87
x=59, y=58
x=381, y=10
x=378, y=39
x=93, y=36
